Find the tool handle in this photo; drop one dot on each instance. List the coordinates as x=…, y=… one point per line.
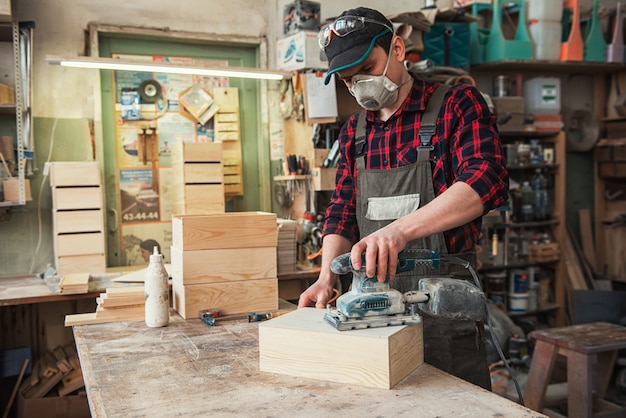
x=416, y=296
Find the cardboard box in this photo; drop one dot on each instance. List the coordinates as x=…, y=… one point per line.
x=301, y=15
x=300, y=51
x=12, y=190
x=512, y=104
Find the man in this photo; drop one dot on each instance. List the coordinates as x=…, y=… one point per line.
x=401, y=188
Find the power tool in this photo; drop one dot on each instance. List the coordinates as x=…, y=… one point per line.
x=371, y=304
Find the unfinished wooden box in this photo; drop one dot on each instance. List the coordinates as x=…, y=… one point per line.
x=230, y=298
x=77, y=217
x=223, y=265
x=197, y=178
x=301, y=343
x=224, y=230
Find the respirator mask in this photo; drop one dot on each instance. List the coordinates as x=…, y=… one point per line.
x=375, y=92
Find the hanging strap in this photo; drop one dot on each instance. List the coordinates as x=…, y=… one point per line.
x=428, y=125
x=359, y=141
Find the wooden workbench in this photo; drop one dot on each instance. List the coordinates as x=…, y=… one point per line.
x=191, y=369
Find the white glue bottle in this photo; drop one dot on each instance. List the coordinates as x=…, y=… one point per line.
x=157, y=292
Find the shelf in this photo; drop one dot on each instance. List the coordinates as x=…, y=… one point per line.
x=7, y=109
x=534, y=224
x=550, y=66
x=291, y=177
x=531, y=166
x=518, y=265
x=528, y=134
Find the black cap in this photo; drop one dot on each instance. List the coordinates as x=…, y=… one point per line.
x=352, y=49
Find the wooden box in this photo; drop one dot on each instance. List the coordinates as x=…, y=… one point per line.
x=72, y=221
x=67, y=198
x=223, y=265
x=230, y=298
x=301, y=343
x=197, y=178
x=224, y=230
x=543, y=252
x=323, y=178
x=198, y=199
x=74, y=173
x=80, y=244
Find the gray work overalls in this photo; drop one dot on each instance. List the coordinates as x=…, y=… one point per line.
x=455, y=346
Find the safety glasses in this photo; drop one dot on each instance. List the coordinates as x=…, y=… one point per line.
x=344, y=26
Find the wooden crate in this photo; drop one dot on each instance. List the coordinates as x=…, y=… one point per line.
x=230, y=298
x=543, y=252
x=77, y=217
x=224, y=230
x=301, y=343
x=228, y=132
x=199, y=199
x=223, y=265
x=74, y=173
x=323, y=178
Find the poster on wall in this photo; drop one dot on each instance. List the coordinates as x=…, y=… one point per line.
x=139, y=200
x=148, y=103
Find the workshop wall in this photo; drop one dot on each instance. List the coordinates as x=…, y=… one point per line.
x=67, y=102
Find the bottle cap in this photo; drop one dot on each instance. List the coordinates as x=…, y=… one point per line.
x=155, y=257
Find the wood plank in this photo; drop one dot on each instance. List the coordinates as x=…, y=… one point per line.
x=230, y=298
x=226, y=230
x=586, y=236
x=74, y=283
x=125, y=291
x=220, y=265
x=392, y=352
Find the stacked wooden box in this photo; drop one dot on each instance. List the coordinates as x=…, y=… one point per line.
x=227, y=132
x=77, y=217
x=197, y=178
x=224, y=261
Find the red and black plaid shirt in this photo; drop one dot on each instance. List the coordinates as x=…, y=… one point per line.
x=466, y=148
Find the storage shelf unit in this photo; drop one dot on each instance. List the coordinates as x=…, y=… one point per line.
x=555, y=227
x=20, y=36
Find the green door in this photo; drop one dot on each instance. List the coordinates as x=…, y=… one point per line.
x=137, y=204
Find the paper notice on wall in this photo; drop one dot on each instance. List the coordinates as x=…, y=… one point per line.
x=321, y=100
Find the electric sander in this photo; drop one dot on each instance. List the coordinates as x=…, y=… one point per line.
x=371, y=304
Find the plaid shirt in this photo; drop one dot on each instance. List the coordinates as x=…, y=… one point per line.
x=466, y=148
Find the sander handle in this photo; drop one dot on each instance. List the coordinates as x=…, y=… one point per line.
x=416, y=296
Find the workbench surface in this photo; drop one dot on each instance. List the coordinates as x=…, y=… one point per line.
x=191, y=369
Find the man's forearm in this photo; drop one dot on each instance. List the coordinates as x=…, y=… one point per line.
x=333, y=245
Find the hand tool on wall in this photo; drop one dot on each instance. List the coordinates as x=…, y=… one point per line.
x=372, y=304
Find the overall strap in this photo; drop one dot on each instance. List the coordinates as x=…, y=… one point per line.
x=428, y=125
x=360, y=137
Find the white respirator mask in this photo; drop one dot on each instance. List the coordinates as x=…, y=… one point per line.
x=375, y=92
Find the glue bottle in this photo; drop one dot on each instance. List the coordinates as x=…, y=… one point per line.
x=157, y=292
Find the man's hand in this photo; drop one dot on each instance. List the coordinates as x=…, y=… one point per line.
x=381, y=250
x=317, y=295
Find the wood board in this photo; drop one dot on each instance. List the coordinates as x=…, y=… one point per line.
x=301, y=343
x=223, y=265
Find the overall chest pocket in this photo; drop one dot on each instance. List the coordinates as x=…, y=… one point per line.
x=392, y=207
